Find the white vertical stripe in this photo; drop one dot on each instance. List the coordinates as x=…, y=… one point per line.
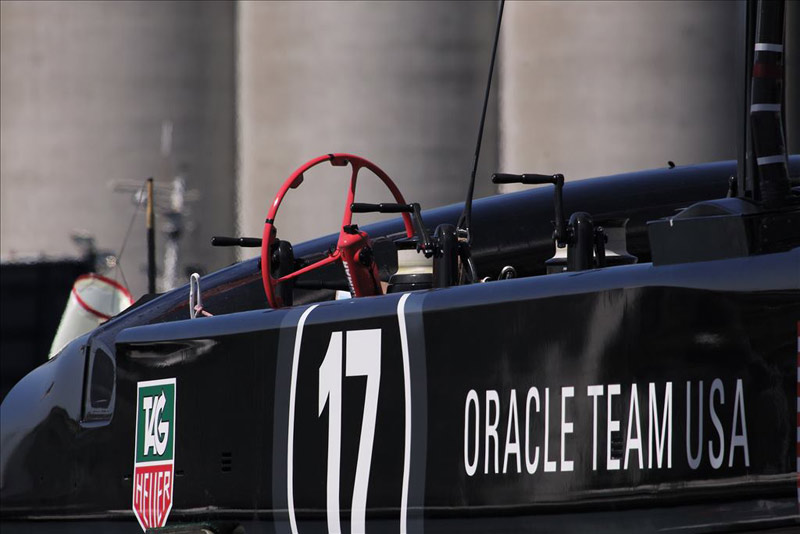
x=798, y=404
x=401, y=319
x=290, y=441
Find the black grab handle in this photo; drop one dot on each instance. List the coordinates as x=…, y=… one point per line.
x=363, y=207
x=560, y=233
x=222, y=241
x=530, y=179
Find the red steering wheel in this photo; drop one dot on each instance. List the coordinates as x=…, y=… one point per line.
x=353, y=245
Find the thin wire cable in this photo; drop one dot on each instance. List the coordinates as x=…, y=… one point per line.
x=124, y=280
x=118, y=266
x=130, y=224
x=465, y=220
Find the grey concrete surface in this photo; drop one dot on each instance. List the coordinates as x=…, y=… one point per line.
x=85, y=87
x=594, y=88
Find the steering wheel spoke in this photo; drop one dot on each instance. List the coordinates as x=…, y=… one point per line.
x=316, y=265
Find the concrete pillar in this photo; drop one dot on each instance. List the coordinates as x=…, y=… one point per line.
x=85, y=89
x=594, y=88
x=400, y=83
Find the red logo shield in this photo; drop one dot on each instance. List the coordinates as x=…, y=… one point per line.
x=152, y=494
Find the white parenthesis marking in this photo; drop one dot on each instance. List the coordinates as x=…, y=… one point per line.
x=290, y=440
x=401, y=318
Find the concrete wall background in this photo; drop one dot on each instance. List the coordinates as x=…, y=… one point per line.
x=85, y=88
x=595, y=88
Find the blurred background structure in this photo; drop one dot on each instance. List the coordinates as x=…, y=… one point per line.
x=89, y=93
x=234, y=96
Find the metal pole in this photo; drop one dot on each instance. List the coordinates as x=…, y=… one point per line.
x=173, y=229
x=151, y=240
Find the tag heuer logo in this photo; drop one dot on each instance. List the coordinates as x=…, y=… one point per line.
x=154, y=454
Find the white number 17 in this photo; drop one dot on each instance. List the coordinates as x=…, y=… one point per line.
x=363, y=359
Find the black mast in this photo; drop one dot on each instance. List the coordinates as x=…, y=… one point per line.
x=768, y=161
x=744, y=157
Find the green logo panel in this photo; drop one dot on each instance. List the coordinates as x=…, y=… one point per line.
x=155, y=421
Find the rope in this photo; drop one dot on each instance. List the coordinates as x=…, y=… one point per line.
x=118, y=266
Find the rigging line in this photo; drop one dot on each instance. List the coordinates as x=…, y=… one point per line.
x=465, y=220
x=130, y=224
x=118, y=266
x=122, y=273
x=112, y=296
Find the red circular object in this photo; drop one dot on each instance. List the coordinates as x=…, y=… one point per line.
x=105, y=280
x=348, y=244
